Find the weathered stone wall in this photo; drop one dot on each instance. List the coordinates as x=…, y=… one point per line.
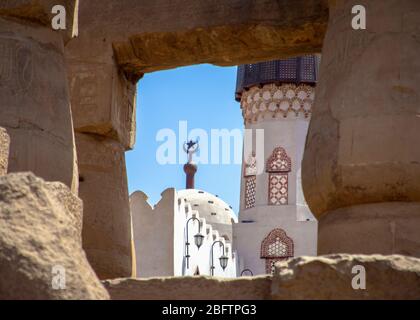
x=326, y=277
x=34, y=93
x=190, y=288
x=4, y=151
x=39, y=12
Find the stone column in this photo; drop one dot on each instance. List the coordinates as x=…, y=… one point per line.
x=106, y=219
x=103, y=106
x=361, y=167
x=34, y=98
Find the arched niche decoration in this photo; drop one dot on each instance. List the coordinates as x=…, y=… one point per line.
x=278, y=166
x=277, y=246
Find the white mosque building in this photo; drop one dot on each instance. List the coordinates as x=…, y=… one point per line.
x=192, y=232
x=188, y=232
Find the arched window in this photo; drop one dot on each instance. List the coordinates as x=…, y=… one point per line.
x=275, y=247
x=278, y=166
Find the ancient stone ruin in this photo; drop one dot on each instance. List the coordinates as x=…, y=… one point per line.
x=67, y=116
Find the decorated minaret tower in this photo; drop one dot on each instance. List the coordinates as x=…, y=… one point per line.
x=275, y=223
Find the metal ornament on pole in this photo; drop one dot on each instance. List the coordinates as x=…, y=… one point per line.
x=198, y=239
x=223, y=258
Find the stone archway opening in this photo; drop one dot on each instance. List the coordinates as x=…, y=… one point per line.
x=96, y=76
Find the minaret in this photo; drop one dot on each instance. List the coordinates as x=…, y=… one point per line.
x=190, y=168
x=275, y=223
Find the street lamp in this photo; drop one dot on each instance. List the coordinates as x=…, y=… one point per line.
x=198, y=240
x=223, y=258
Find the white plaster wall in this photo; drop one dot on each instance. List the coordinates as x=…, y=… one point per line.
x=153, y=232
x=249, y=236
x=290, y=134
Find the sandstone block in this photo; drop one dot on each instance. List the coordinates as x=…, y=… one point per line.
x=190, y=288
x=386, y=228
x=102, y=99
x=71, y=203
x=330, y=277
x=4, y=151
x=39, y=242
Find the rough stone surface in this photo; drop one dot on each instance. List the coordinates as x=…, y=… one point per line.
x=39, y=11
x=37, y=233
x=190, y=288
x=388, y=228
x=102, y=99
x=154, y=35
x=4, y=151
x=36, y=104
x=72, y=204
x=330, y=277
x=106, y=218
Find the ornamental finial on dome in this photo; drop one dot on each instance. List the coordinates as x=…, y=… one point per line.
x=190, y=147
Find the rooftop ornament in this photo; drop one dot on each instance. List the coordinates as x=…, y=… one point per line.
x=190, y=147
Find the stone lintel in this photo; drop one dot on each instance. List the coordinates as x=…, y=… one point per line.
x=40, y=12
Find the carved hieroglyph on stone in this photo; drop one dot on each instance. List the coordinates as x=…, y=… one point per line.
x=35, y=102
x=361, y=166
x=41, y=255
x=4, y=151
x=102, y=99
x=104, y=191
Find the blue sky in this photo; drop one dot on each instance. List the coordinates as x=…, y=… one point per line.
x=202, y=95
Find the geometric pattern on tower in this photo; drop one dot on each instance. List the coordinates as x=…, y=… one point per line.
x=275, y=247
x=279, y=161
x=250, y=190
x=278, y=189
